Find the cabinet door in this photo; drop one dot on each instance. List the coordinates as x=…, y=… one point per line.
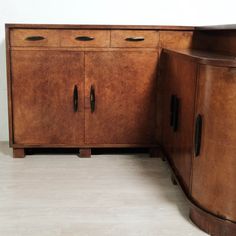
x=44, y=97
x=179, y=85
x=214, y=168
x=124, y=86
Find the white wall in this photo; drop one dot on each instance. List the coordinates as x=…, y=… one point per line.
x=149, y=12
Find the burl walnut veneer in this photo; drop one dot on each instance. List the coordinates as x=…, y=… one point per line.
x=167, y=88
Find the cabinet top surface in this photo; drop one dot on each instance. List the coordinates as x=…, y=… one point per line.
x=203, y=57
x=68, y=26
x=141, y=27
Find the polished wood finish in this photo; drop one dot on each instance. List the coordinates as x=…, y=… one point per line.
x=216, y=41
x=210, y=224
x=214, y=175
x=126, y=27
x=18, y=38
x=18, y=152
x=179, y=80
x=99, y=38
x=43, y=97
x=120, y=38
x=125, y=97
x=176, y=39
x=204, y=57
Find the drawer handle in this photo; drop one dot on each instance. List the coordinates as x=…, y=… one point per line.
x=92, y=99
x=84, y=38
x=198, y=135
x=135, y=39
x=75, y=99
x=34, y=38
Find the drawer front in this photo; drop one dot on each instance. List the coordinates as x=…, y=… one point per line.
x=85, y=38
x=134, y=38
x=34, y=38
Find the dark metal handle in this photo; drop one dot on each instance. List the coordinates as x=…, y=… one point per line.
x=198, y=135
x=172, y=102
x=175, y=113
x=92, y=99
x=75, y=99
x=34, y=38
x=84, y=38
x=135, y=39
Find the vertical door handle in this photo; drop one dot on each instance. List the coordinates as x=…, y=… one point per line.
x=198, y=135
x=175, y=114
x=92, y=98
x=172, y=101
x=75, y=99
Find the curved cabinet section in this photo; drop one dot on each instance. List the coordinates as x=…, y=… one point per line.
x=207, y=121
x=214, y=170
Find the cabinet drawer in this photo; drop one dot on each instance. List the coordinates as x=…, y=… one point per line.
x=134, y=38
x=34, y=38
x=85, y=38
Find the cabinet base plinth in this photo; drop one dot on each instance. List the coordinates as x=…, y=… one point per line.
x=85, y=152
x=18, y=152
x=211, y=224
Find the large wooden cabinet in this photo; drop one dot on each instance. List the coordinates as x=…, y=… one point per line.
x=87, y=86
x=82, y=87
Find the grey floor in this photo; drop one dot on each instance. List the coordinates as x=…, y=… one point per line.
x=63, y=195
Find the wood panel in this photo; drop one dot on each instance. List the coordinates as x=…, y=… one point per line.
x=25, y=38
x=125, y=85
x=119, y=38
x=216, y=41
x=180, y=81
x=176, y=39
x=214, y=175
x=42, y=88
x=99, y=38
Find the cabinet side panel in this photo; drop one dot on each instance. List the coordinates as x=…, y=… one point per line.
x=9, y=88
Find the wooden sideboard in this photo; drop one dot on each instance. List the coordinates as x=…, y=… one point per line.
x=160, y=87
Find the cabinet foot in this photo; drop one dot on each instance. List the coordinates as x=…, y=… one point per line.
x=18, y=152
x=154, y=152
x=163, y=158
x=85, y=152
x=174, y=182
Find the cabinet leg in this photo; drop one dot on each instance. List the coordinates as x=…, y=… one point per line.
x=154, y=152
x=18, y=152
x=174, y=182
x=85, y=152
x=163, y=158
